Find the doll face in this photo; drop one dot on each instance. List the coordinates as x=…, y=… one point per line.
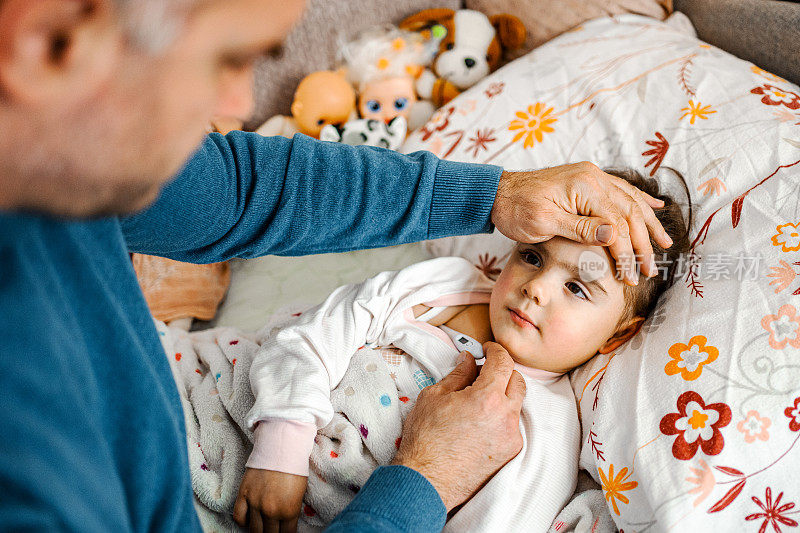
x=551, y=314
x=387, y=98
x=322, y=98
x=314, y=115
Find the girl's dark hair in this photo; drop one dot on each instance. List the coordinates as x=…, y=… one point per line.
x=641, y=299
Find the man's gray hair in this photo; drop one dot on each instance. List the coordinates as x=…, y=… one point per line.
x=153, y=24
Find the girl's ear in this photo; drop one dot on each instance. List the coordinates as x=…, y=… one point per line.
x=622, y=335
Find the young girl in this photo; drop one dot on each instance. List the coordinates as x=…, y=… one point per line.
x=333, y=388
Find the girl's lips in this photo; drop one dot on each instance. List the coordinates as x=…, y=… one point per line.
x=520, y=320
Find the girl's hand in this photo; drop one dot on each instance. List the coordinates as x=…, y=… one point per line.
x=269, y=500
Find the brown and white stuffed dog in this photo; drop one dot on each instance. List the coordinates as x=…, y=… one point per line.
x=471, y=49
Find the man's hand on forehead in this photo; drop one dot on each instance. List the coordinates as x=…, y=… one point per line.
x=584, y=204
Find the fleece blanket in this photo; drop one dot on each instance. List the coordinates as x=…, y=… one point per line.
x=211, y=370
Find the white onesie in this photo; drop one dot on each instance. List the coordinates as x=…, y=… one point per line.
x=333, y=388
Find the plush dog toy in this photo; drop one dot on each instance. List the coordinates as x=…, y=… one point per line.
x=369, y=132
x=471, y=49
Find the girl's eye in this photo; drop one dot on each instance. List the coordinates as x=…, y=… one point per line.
x=576, y=289
x=374, y=106
x=400, y=103
x=532, y=258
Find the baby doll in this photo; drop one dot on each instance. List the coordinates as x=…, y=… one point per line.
x=383, y=65
x=323, y=97
x=333, y=388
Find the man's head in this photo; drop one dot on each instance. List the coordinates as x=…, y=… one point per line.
x=558, y=303
x=102, y=101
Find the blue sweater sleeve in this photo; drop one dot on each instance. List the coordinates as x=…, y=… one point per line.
x=394, y=499
x=244, y=195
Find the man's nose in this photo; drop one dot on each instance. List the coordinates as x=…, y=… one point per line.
x=469, y=62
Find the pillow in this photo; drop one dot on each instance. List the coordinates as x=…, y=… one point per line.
x=692, y=425
x=266, y=291
x=545, y=19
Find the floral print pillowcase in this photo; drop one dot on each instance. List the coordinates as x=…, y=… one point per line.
x=695, y=422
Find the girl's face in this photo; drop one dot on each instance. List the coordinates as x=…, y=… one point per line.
x=556, y=304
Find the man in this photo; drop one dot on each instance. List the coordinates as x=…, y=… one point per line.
x=101, y=102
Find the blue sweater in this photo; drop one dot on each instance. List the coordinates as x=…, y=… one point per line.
x=91, y=427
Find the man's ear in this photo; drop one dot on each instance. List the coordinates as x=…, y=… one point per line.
x=622, y=335
x=56, y=51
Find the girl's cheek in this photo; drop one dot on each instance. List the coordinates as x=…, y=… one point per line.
x=558, y=325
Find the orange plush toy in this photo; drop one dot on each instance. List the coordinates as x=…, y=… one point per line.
x=181, y=292
x=471, y=49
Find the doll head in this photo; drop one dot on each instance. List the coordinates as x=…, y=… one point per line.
x=558, y=303
x=383, y=64
x=322, y=98
x=386, y=98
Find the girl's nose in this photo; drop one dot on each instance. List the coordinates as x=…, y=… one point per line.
x=535, y=289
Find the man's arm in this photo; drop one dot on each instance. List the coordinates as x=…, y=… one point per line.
x=244, y=195
x=395, y=498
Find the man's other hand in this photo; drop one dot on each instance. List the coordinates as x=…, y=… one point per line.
x=462, y=430
x=582, y=203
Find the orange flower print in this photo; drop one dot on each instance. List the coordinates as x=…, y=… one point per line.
x=532, y=124
x=704, y=481
x=783, y=328
x=788, y=237
x=696, y=425
x=614, y=486
x=695, y=111
x=754, y=426
x=688, y=360
x=784, y=275
x=776, y=96
x=714, y=185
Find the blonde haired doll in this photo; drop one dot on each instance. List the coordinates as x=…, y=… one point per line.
x=383, y=65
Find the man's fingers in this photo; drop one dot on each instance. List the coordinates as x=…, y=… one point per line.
x=635, y=192
x=240, y=511
x=271, y=525
x=256, y=524
x=289, y=526
x=587, y=229
x=516, y=390
x=604, y=222
x=461, y=377
x=656, y=229
x=497, y=369
x=639, y=234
